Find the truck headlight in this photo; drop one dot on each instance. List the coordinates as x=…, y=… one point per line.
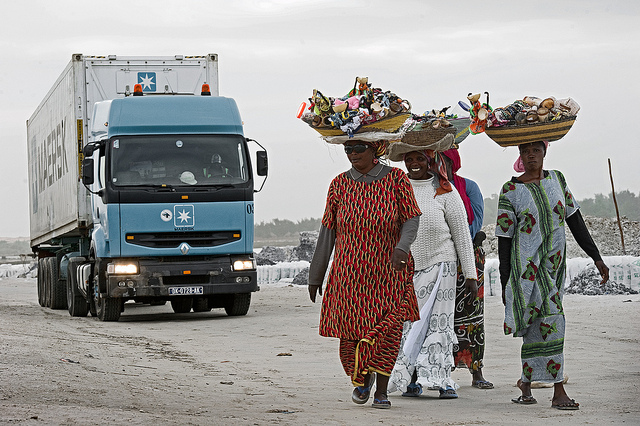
x=129, y=268
x=243, y=265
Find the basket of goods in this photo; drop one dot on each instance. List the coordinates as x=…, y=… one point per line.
x=433, y=130
x=363, y=110
x=529, y=120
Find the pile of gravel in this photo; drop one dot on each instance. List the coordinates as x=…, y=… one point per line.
x=588, y=282
x=604, y=231
x=271, y=255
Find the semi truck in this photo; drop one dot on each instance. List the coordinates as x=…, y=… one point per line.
x=141, y=188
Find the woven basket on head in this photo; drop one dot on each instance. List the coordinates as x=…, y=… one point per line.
x=424, y=134
x=397, y=150
x=527, y=133
x=390, y=125
x=462, y=128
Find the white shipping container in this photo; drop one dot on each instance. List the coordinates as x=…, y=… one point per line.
x=59, y=204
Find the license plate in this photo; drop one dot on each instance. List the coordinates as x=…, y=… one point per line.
x=186, y=290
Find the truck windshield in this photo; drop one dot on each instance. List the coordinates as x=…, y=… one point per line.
x=189, y=160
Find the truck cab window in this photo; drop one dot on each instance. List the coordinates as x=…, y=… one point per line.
x=185, y=161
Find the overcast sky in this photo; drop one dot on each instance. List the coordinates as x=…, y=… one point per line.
x=274, y=53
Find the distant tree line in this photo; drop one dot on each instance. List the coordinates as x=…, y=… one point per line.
x=599, y=206
x=14, y=247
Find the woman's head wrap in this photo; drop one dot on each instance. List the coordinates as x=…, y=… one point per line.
x=459, y=182
x=379, y=147
x=518, y=166
x=438, y=168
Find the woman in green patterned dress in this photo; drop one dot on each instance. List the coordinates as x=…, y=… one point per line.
x=532, y=211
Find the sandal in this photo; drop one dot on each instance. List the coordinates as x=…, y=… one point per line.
x=571, y=405
x=381, y=403
x=482, y=384
x=525, y=399
x=448, y=393
x=413, y=389
x=361, y=394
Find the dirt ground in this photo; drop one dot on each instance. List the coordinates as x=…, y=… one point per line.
x=271, y=367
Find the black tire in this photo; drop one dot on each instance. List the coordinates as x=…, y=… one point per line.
x=41, y=282
x=201, y=304
x=76, y=303
x=182, y=305
x=46, y=282
x=238, y=304
x=58, y=286
x=108, y=308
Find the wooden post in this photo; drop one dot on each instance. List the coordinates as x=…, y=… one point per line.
x=613, y=191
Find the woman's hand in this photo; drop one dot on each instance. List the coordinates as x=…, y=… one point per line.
x=399, y=259
x=313, y=290
x=604, y=271
x=471, y=287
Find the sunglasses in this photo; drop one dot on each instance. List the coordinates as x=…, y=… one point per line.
x=357, y=148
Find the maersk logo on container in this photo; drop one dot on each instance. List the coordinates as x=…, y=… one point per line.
x=183, y=216
x=148, y=81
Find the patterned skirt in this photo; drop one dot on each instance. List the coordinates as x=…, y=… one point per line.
x=434, y=359
x=469, y=320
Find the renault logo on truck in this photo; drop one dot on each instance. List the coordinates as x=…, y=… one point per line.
x=184, y=248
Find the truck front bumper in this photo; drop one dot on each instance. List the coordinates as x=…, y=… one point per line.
x=166, y=278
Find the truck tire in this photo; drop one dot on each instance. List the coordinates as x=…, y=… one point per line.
x=58, y=286
x=41, y=282
x=201, y=304
x=76, y=303
x=46, y=283
x=109, y=308
x=238, y=304
x=181, y=305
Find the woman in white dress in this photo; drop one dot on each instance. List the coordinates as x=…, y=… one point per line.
x=425, y=358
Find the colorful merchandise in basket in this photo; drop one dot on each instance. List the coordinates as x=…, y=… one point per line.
x=528, y=120
x=363, y=109
x=447, y=117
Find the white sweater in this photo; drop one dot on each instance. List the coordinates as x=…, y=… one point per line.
x=443, y=235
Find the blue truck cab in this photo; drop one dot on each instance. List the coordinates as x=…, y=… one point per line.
x=171, y=184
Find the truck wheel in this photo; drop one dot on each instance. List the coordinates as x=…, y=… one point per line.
x=58, y=286
x=76, y=303
x=46, y=283
x=181, y=305
x=41, y=282
x=109, y=308
x=201, y=304
x=238, y=304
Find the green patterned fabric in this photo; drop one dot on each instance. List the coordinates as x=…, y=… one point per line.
x=533, y=216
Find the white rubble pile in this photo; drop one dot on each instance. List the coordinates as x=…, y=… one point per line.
x=22, y=270
x=588, y=282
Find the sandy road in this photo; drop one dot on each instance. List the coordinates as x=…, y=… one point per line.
x=271, y=367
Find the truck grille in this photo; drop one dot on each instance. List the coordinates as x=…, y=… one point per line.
x=174, y=239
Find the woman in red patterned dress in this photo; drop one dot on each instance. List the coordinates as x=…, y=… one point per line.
x=370, y=220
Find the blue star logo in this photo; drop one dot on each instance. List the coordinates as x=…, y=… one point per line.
x=148, y=81
x=183, y=215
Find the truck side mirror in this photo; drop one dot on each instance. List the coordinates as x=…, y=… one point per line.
x=87, y=171
x=262, y=163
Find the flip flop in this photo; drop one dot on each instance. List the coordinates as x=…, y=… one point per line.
x=482, y=384
x=413, y=389
x=381, y=403
x=361, y=394
x=448, y=393
x=573, y=405
x=525, y=399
